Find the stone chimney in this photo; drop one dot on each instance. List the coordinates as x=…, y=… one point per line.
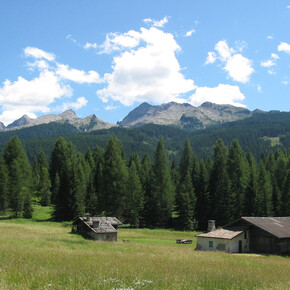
x=211, y=225
x=89, y=218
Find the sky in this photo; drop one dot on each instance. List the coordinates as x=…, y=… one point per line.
x=108, y=57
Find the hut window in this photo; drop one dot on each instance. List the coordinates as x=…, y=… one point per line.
x=210, y=244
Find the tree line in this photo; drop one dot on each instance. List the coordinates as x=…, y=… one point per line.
x=145, y=192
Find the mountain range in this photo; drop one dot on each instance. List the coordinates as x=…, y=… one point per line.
x=184, y=116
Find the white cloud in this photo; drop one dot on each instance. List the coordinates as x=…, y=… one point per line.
x=147, y=73
x=268, y=63
x=38, y=53
x=78, y=76
x=285, y=82
x=90, y=45
x=284, y=46
x=239, y=68
x=80, y=102
x=270, y=37
x=211, y=57
x=190, y=32
x=222, y=94
x=259, y=88
x=156, y=23
x=274, y=56
x=110, y=108
x=24, y=96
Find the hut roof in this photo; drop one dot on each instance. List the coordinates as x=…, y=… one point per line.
x=277, y=226
x=221, y=233
x=112, y=220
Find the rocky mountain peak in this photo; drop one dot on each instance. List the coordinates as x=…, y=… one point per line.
x=68, y=115
x=24, y=120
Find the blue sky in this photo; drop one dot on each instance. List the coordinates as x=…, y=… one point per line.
x=107, y=57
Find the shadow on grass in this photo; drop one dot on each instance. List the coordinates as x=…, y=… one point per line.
x=3, y=218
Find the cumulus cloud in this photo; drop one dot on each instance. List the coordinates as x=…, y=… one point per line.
x=31, y=96
x=190, y=32
x=150, y=72
x=239, y=68
x=38, y=94
x=270, y=62
x=78, y=76
x=90, y=45
x=38, y=53
x=80, y=102
x=222, y=94
x=284, y=46
x=156, y=23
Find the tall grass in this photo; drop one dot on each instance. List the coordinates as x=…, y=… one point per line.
x=45, y=255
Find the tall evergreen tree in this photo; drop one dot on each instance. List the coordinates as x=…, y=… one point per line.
x=3, y=186
x=114, y=179
x=237, y=177
x=219, y=185
x=19, y=174
x=162, y=188
x=251, y=187
x=202, y=197
x=263, y=202
x=284, y=200
x=134, y=198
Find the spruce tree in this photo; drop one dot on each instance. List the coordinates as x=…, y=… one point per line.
x=134, y=197
x=162, y=189
x=19, y=174
x=264, y=205
x=114, y=179
x=251, y=187
x=3, y=186
x=219, y=185
x=237, y=172
x=284, y=200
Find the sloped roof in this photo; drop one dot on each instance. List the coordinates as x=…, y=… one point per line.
x=112, y=220
x=277, y=226
x=221, y=233
x=105, y=228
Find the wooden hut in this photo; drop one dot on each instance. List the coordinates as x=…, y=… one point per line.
x=98, y=228
x=249, y=234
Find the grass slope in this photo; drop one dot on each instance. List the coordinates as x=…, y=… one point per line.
x=38, y=254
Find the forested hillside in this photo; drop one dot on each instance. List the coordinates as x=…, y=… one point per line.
x=258, y=134
x=146, y=192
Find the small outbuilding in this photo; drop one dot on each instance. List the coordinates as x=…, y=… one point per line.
x=249, y=234
x=97, y=228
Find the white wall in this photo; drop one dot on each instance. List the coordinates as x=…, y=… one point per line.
x=225, y=245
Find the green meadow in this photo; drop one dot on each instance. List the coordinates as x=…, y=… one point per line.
x=40, y=254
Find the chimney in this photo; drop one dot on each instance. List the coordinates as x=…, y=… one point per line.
x=89, y=218
x=211, y=225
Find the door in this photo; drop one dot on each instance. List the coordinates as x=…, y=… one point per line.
x=240, y=246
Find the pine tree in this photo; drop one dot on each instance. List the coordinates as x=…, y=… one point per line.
x=19, y=174
x=202, y=197
x=264, y=205
x=162, y=189
x=114, y=179
x=219, y=185
x=27, y=205
x=146, y=178
x=284, y=201
x=237, y=176
x=3, y=186
x=134, y=198
x=251, y=187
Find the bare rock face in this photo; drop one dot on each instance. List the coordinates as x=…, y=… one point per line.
x=24, y=120
x=184, y=115
x=83, y=124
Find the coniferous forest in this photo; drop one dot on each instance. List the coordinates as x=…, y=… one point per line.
x=144, y=191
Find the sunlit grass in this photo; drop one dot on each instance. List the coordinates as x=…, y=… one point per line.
x=45, y=255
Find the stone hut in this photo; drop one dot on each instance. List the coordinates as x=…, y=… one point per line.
x=97, y=228
x=269, y=235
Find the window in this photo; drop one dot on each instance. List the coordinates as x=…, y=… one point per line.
x=210, y=244
x=245, y=235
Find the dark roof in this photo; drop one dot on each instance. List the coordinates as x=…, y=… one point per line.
x=221, y=233
x=112, y=220
x=104, y=228
x=277, y=226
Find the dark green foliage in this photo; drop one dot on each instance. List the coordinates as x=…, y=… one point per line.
x=27, y=205
x=163, y=191
x=3, y=186
x=114, y=179
x=134, y=198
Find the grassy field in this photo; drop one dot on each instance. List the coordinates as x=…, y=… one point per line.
x=38, y=254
